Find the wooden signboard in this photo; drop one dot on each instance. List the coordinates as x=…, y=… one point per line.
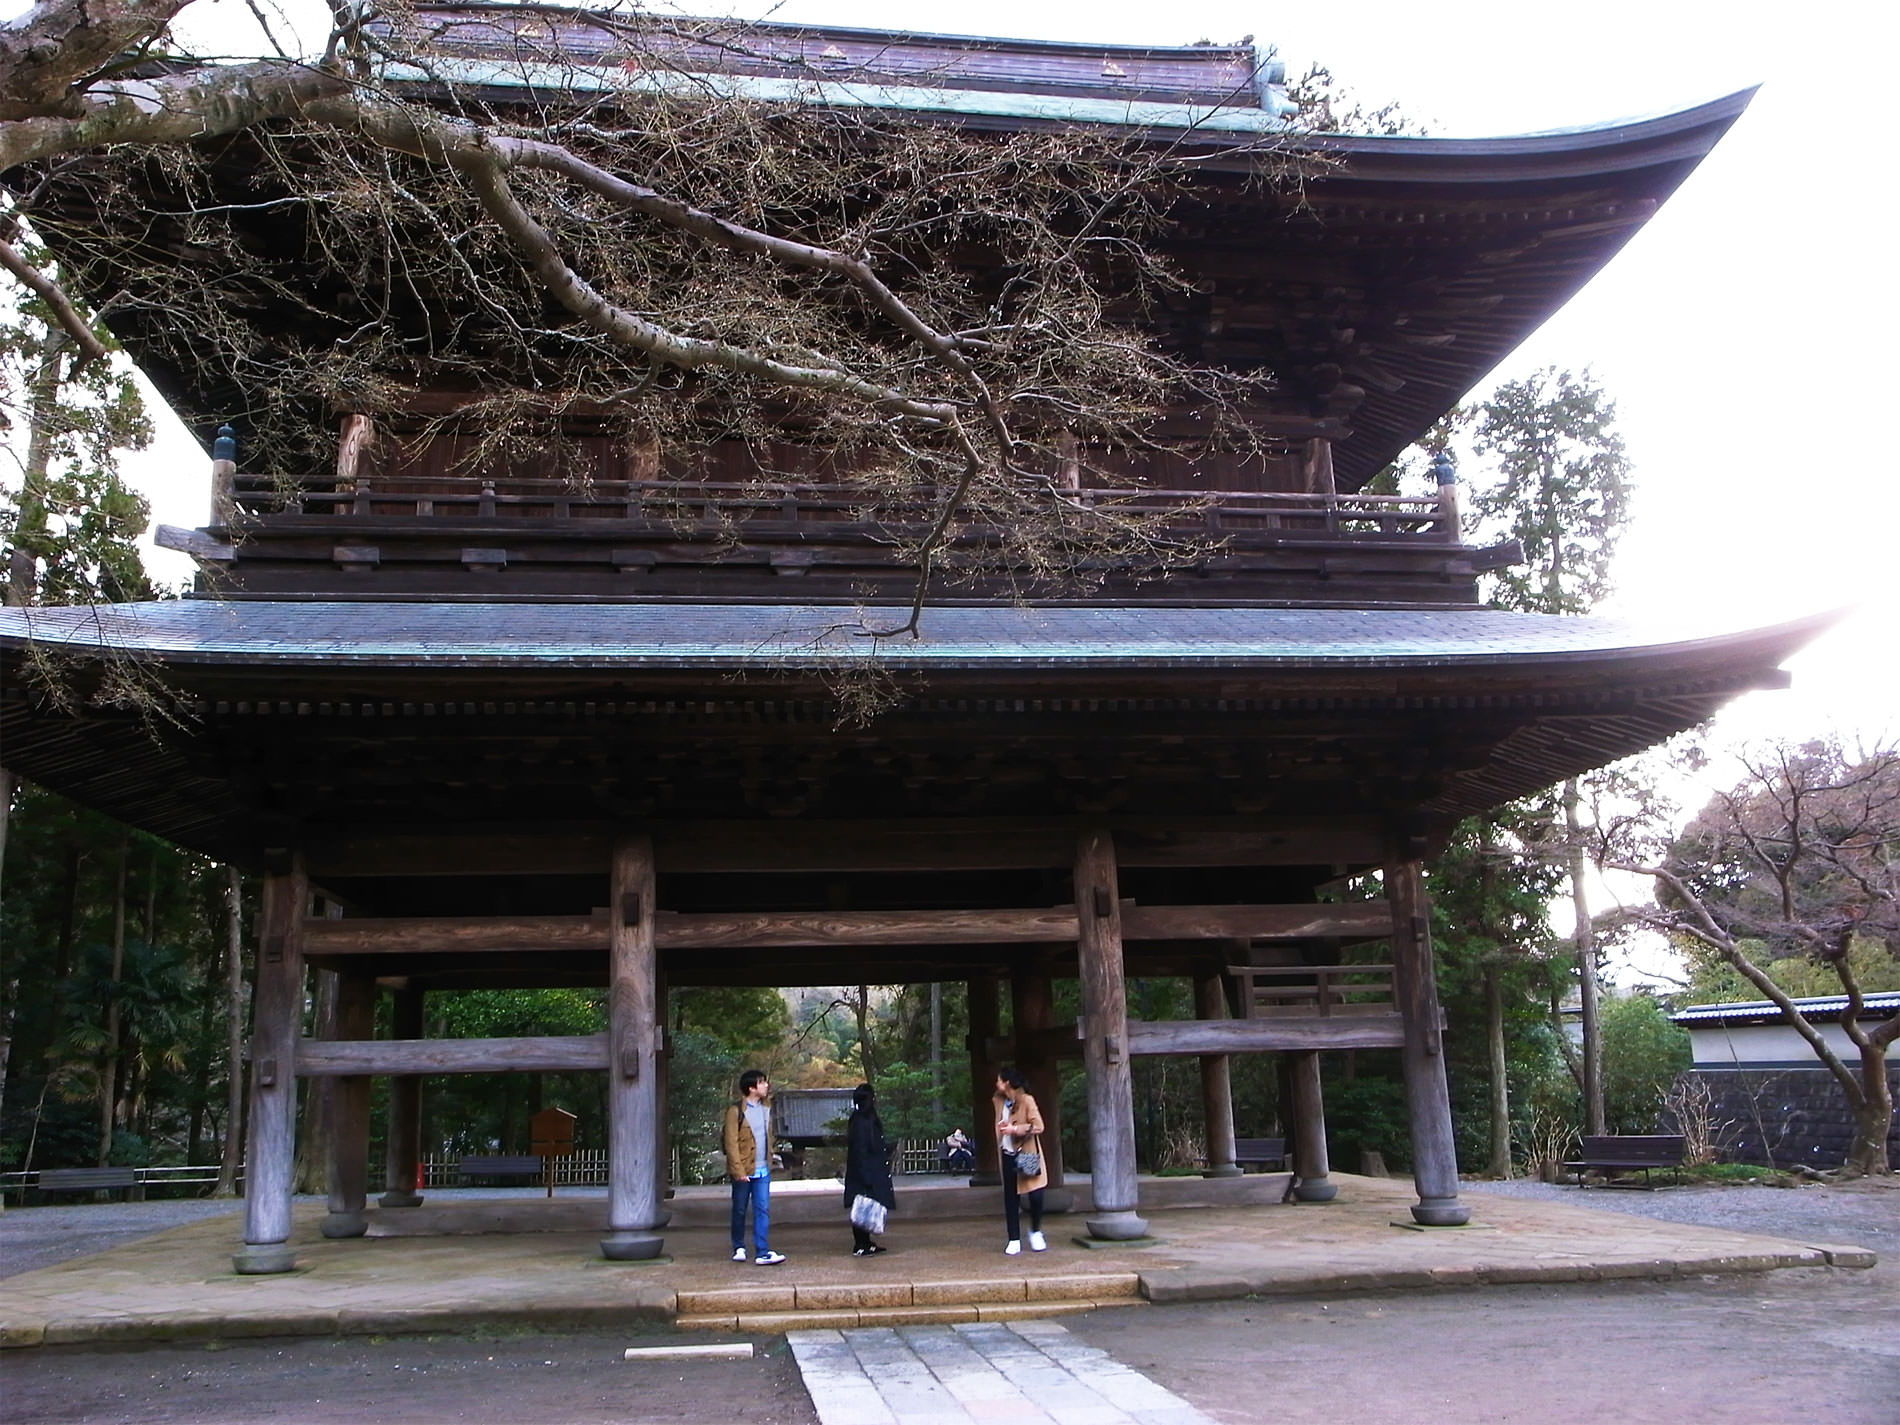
x=551, y=1136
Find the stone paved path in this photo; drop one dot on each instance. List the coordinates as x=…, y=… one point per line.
x=1032, y=1372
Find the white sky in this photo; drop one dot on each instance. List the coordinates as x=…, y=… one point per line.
x=1746, y=333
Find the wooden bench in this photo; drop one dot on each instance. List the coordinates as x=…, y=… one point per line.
x=88, y=1179
x=1260, y=1152
x=1612, y=1153
x=507, y=1165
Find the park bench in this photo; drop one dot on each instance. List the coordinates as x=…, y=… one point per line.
x=1615, y=1153
x=506, y=1165
x=88, y=1179
x=1261, y=1152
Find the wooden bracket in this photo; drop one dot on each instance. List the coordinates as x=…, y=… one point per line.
x=630, y=1056
x=1104, y=907
x=630, y=908
x=267, y=1073
x=274, y=949
x=1112, y=1048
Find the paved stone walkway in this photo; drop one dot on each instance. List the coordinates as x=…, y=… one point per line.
x=1033, y=1372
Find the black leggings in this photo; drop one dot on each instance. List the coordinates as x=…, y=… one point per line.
x=1012, y=1200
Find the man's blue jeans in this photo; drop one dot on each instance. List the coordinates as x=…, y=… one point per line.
x=757, y=1192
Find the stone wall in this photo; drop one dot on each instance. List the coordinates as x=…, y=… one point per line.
x=1780, y=1117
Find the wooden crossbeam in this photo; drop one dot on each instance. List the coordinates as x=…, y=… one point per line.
x=1351, y=920
x=976, y=844
x=778, y=929
x=1259, y=1036
x=548, y=1054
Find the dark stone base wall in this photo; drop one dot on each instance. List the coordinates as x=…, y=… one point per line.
x=1781, y=1117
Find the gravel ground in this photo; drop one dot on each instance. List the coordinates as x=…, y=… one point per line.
x=35, y=1237
x=1861, y=1214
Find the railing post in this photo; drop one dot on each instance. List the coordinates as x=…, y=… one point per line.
x=1450, y=519
x=224, y=478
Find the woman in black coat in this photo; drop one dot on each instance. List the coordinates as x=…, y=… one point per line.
x=867, y=1164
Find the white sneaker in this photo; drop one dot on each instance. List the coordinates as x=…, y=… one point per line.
x=1036, y=1242
x=1014, y=1249
x=738, y=1254
x=768, y=1259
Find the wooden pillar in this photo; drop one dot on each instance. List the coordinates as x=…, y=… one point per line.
x=633, y=1070
x=1427, y=1096
x=1033, y=1010
x=1217, y=1088
x=276, y=1020
x=1310, y=1165
x=403, y=1155
x=349, y=1112
x=1105, y=1042
x=981, y=998
x=662, y=1067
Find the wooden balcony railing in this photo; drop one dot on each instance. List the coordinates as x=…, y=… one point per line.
x=686, y=506
x=1306, y=991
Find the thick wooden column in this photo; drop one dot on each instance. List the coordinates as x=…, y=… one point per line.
x=981, y=998
x=403, y=1150
x=1217, y=1088
x=1105, y=1042
x=1427, y=1097
x=349, y=1113
x=1310, y=1165
x=1033, y=1010
x=276, y=1015
x=633, y=1062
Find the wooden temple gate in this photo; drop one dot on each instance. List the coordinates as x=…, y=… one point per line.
x=636, y=939
x=532, y=733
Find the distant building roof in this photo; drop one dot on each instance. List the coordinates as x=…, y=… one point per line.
x=1820, y=1008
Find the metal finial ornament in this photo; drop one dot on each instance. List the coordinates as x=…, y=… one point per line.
x=1443, y=471
x=225, y=446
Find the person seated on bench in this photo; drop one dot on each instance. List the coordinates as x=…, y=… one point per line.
x=957, y=1156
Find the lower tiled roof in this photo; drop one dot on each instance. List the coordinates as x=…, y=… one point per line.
x=685, y=635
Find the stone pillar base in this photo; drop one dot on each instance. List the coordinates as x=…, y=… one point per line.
x=1225, y=1170
x=400, y=1197
x=1440, y=1212
x=631, y=1246
x=1315, y=1190
x=344, y=1224
x=259, y=1259
x=1122, y=1226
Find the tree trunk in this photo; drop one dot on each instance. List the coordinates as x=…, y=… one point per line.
x=109, y=1074
x=312, y=1173
x=232, y=1152
x=1500, y=1073
x=936, y=1052
x=29, y=526
x=862, y=1009
x=1585, y=941
x=1873, y=1117
x=10, y=990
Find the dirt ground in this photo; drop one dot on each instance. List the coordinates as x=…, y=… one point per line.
x=1820, y=1346
x=485, y=1378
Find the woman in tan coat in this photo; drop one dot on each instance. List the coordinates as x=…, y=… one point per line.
x=1019, y=1131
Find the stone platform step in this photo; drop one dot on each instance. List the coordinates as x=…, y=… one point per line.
x=801, y=1306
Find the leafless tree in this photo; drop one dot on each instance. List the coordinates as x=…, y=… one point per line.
x=1802, y=858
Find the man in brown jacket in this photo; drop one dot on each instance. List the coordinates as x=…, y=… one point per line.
x=747, y=1139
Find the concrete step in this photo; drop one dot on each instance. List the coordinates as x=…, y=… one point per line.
x=799, y=1306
